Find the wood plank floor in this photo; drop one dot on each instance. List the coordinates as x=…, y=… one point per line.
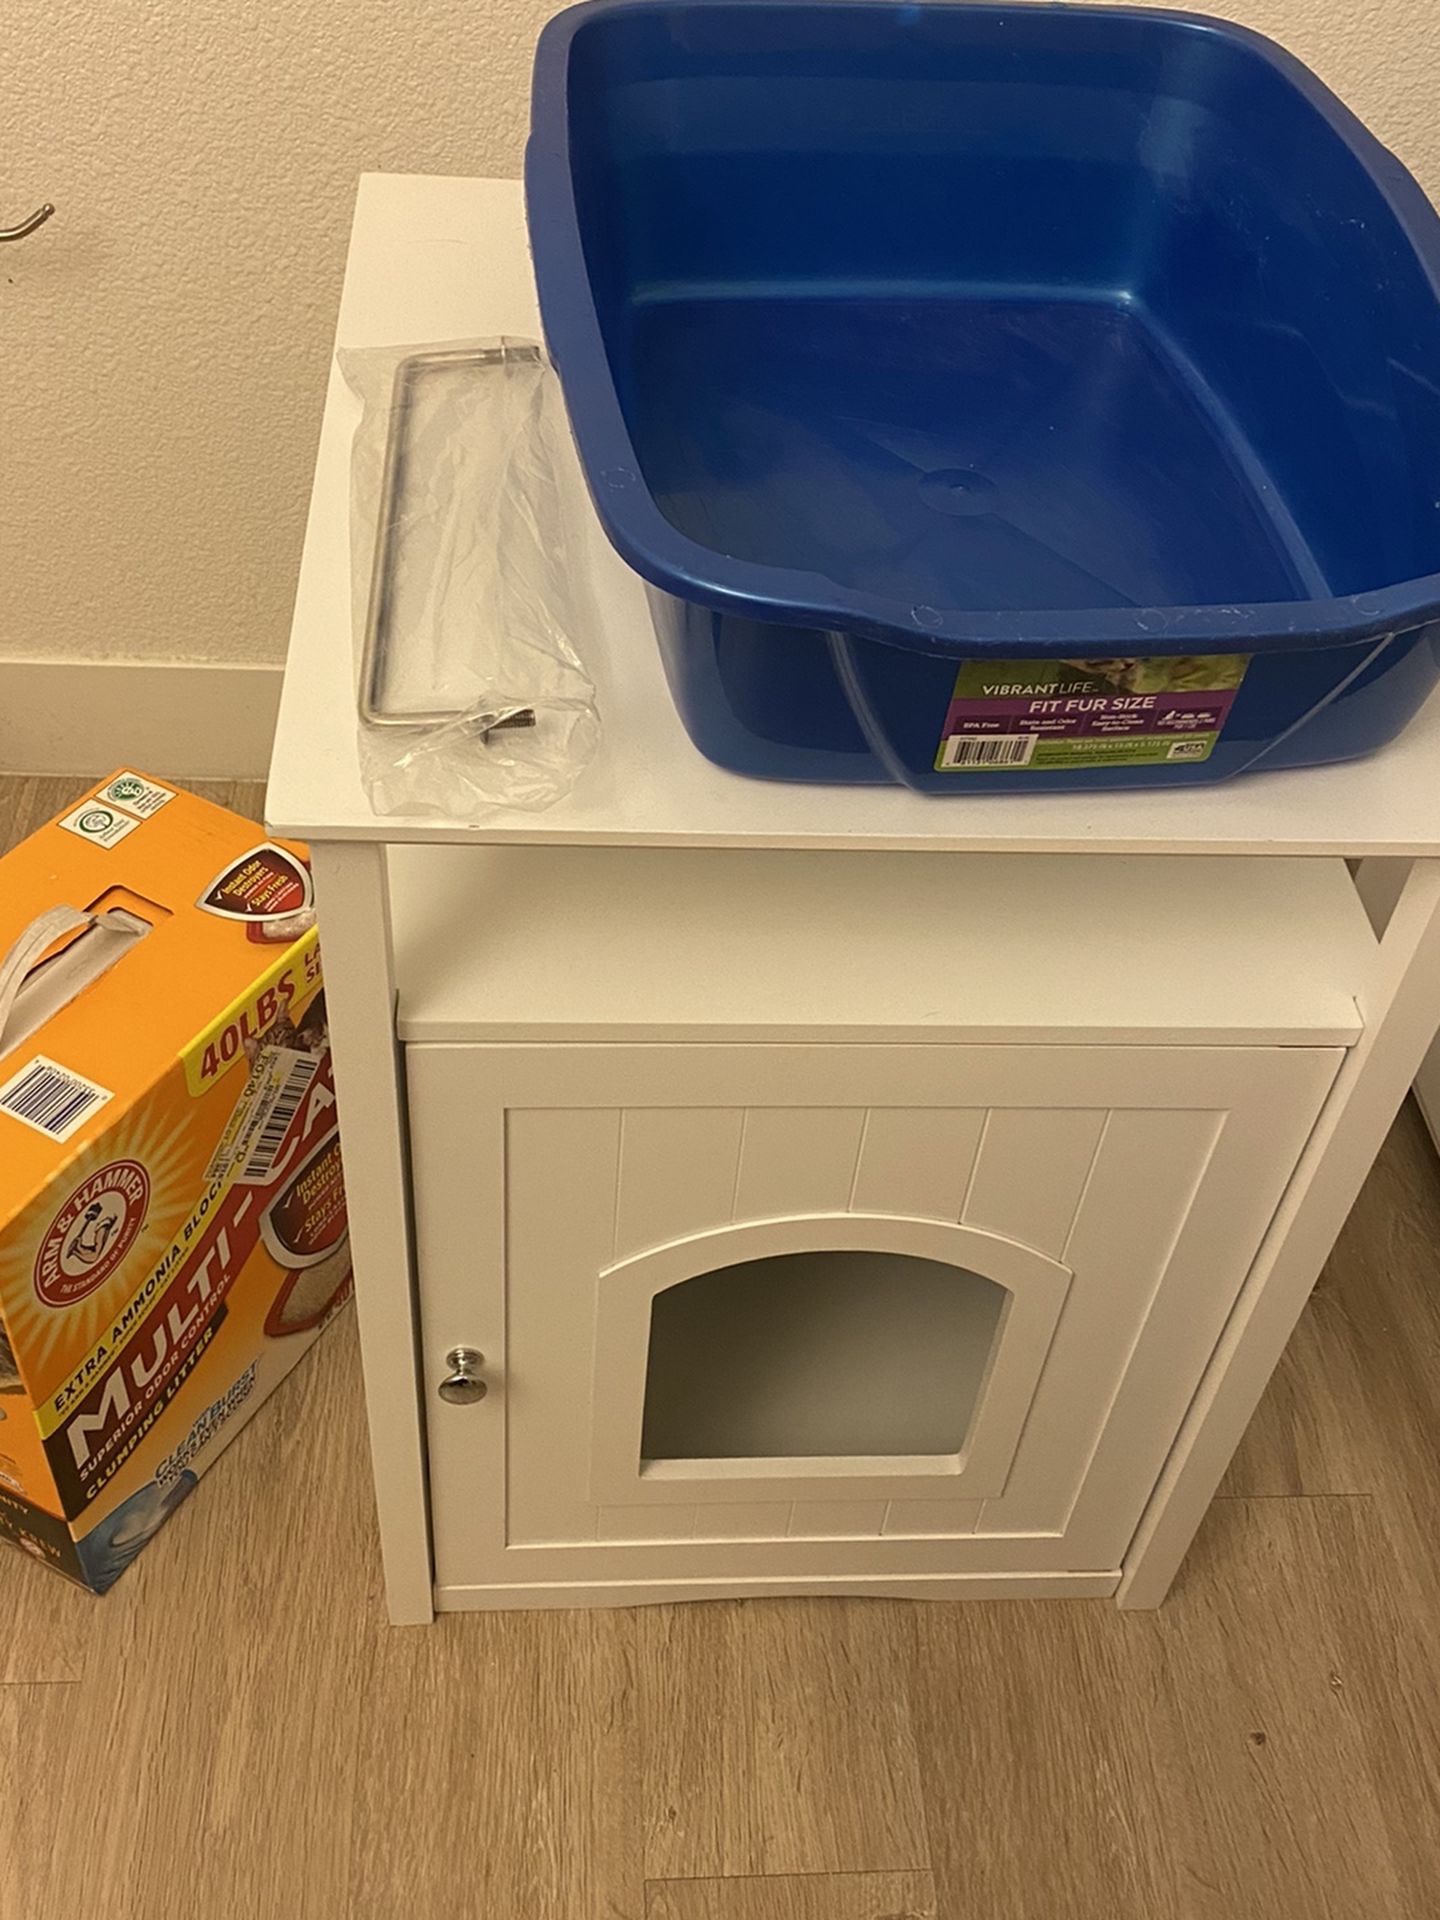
x=236, y=1731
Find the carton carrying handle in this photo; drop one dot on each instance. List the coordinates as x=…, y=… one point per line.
x=43, y=932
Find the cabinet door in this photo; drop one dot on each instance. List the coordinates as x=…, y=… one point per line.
x=769, y=1311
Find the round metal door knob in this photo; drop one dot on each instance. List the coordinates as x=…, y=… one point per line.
x=463, y=1385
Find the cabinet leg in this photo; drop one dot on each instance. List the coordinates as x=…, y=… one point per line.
x=1401, y=1009
x=353, y=896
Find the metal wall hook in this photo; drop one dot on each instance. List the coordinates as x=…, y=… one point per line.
x=37, y=219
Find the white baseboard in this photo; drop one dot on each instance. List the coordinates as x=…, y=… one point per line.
x=196, y=720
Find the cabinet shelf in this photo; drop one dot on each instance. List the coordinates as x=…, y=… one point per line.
x=547, y=944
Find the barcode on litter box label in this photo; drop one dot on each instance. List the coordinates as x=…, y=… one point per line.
x=50, y=1098
x=989, y=750
x=264, y=1148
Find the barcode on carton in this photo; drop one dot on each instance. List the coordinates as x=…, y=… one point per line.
x=50, y=1098
x=263, y=1148
x=990, y=750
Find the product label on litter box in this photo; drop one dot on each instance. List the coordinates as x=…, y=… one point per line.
x=260, y=1122
x=1044, y=715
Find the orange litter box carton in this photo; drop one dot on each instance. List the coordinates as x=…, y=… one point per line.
x=172, y=1203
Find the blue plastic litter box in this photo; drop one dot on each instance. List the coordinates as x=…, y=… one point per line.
x=995, y=396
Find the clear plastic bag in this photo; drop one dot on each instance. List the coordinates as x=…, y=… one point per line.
x=471, y=694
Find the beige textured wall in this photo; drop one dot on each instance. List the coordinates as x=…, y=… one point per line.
x=163, y=342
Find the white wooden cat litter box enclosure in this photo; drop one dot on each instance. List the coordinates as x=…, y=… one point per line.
x=832, y=1189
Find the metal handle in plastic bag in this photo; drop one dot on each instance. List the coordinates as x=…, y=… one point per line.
x=376, y=647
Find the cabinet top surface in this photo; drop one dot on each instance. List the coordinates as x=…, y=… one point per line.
x=435, y=259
